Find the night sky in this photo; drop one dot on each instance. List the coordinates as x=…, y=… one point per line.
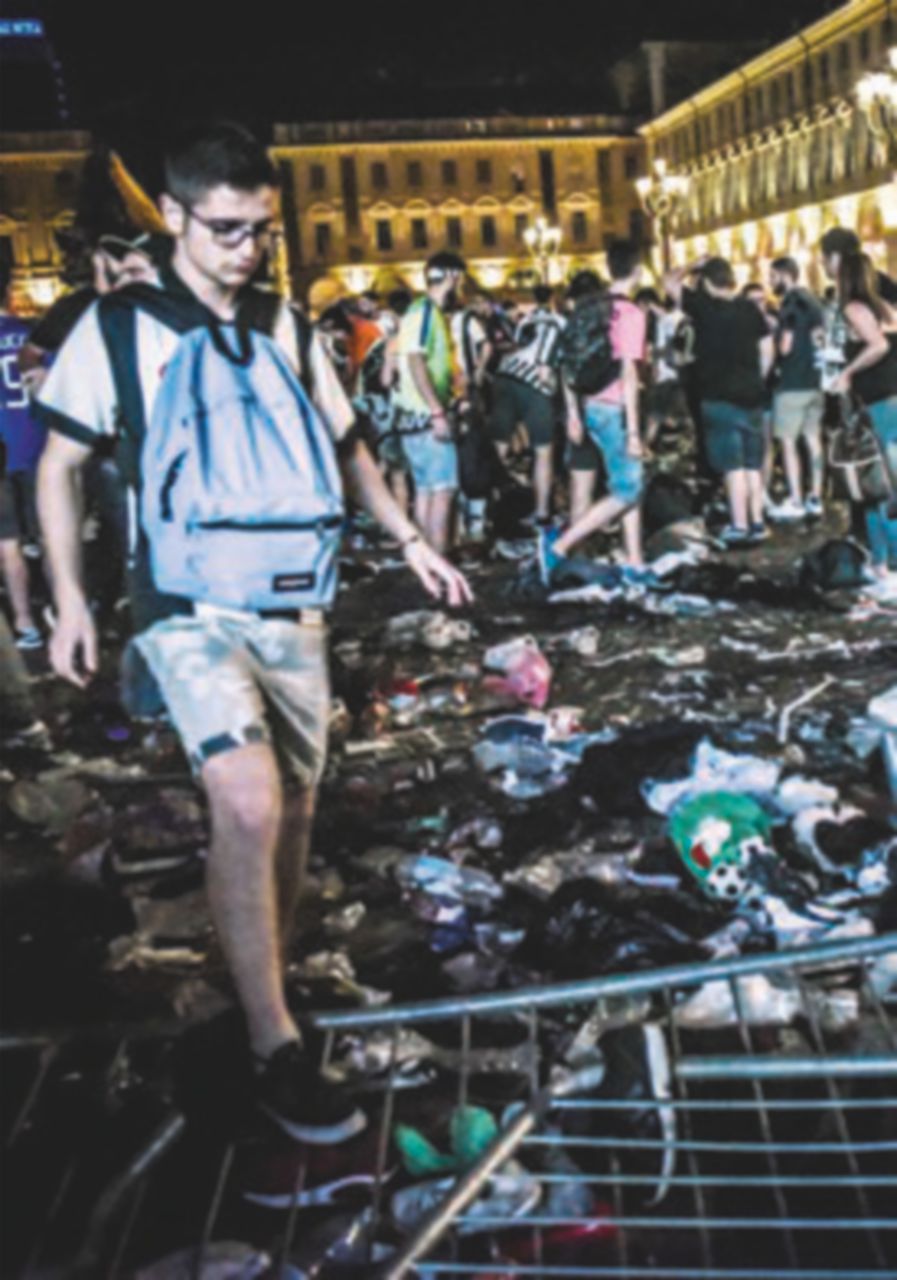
x=131, y=67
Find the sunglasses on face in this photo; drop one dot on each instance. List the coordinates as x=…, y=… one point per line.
x=231, y=232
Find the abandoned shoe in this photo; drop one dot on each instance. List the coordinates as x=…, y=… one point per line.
x=307, y=1176
x=548, y=558
x=291, y=1092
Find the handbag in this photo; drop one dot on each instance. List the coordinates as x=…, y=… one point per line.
x=857, y=466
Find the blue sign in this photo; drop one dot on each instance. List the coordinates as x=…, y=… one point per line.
x=18, y=28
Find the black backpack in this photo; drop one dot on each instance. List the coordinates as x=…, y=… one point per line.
x=585, y=353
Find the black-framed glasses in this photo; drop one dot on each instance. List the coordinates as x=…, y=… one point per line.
x=231, y=232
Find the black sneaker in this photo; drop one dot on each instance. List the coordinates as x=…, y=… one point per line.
x=638, y=1071
x=291, y=1092
x=304, y=1176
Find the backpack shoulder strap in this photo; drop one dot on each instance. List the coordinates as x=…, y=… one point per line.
x=263, y=310
x=117, y=315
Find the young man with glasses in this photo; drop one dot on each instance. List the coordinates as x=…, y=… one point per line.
x=222, y=670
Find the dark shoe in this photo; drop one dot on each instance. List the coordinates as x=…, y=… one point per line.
x=757, y=533
x=292, y=1093
x=732, y=536
x=312, y=1176
x=638, y=1071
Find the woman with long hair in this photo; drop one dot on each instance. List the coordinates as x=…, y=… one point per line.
x=871, y=372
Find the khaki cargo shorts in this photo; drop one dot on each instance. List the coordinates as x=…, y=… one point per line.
x=231, y=678
x=796, y=414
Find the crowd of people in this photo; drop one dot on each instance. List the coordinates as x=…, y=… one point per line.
x=219, y=435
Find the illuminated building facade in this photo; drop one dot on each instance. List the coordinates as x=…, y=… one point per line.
x=779, y=150
x=39, y=175
x=365, y=204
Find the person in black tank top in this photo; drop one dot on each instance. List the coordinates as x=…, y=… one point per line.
x=871, y=372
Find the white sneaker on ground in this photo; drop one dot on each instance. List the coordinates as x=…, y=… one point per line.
x=790, y=509
x=813, y=507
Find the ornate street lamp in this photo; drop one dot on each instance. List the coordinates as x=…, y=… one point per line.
x=876, y=94
x=543, y=243
x=662, y=195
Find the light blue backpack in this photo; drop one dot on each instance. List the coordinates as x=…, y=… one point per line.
x=242, y=501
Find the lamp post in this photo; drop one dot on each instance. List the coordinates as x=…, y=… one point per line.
x=543, y=242
x=662, y=194
x=876, y=94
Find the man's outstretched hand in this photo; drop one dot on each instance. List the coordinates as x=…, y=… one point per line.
x=73, y=646
x=441, y=579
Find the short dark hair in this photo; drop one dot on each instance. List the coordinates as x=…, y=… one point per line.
x=623, y=256
x=214, y=155
x=839, y=240
x=719, y=273
x=371, y=294
x=399, y=301
x=441, y=264
x=584, y=283
x=752, y=286
x=648, y=295
x=542, y=294
x=787, y=266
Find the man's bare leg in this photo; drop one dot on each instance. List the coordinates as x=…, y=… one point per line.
x=632, y=536
x=246, y=807
x=438, y=530
x=15, y=575
x=543, y=475
x=737, y=493
x=292, y=859
x=598, y=516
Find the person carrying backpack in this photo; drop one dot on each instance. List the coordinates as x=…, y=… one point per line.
x=238, y=474
x=600, y=353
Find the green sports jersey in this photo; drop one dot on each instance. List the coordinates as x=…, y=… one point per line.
x=424, y=331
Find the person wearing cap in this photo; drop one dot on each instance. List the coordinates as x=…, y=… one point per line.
x=425, y=389
x=733, y=354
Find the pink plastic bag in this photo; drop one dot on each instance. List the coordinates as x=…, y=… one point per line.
x=526, y=673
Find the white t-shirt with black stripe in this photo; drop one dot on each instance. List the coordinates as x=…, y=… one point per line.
x=532, y=363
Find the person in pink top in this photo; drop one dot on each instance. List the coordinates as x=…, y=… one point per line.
x=611, y=419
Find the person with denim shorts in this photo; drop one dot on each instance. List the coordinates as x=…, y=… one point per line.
x=426, y=367
x=247, y=689
x=733, y=354
x=610, y=419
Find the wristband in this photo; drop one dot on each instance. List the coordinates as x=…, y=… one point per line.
x=415, y=537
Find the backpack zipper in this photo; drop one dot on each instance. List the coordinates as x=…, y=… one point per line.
x=272, y=526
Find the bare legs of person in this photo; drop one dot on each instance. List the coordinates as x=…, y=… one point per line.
x=15, y=577
x=791, y=460
x=744, y=490
x=433, y=515
x=543, y=474
x=247, y=809
x=582, y=489
x=599, y=516
x=543, y=478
